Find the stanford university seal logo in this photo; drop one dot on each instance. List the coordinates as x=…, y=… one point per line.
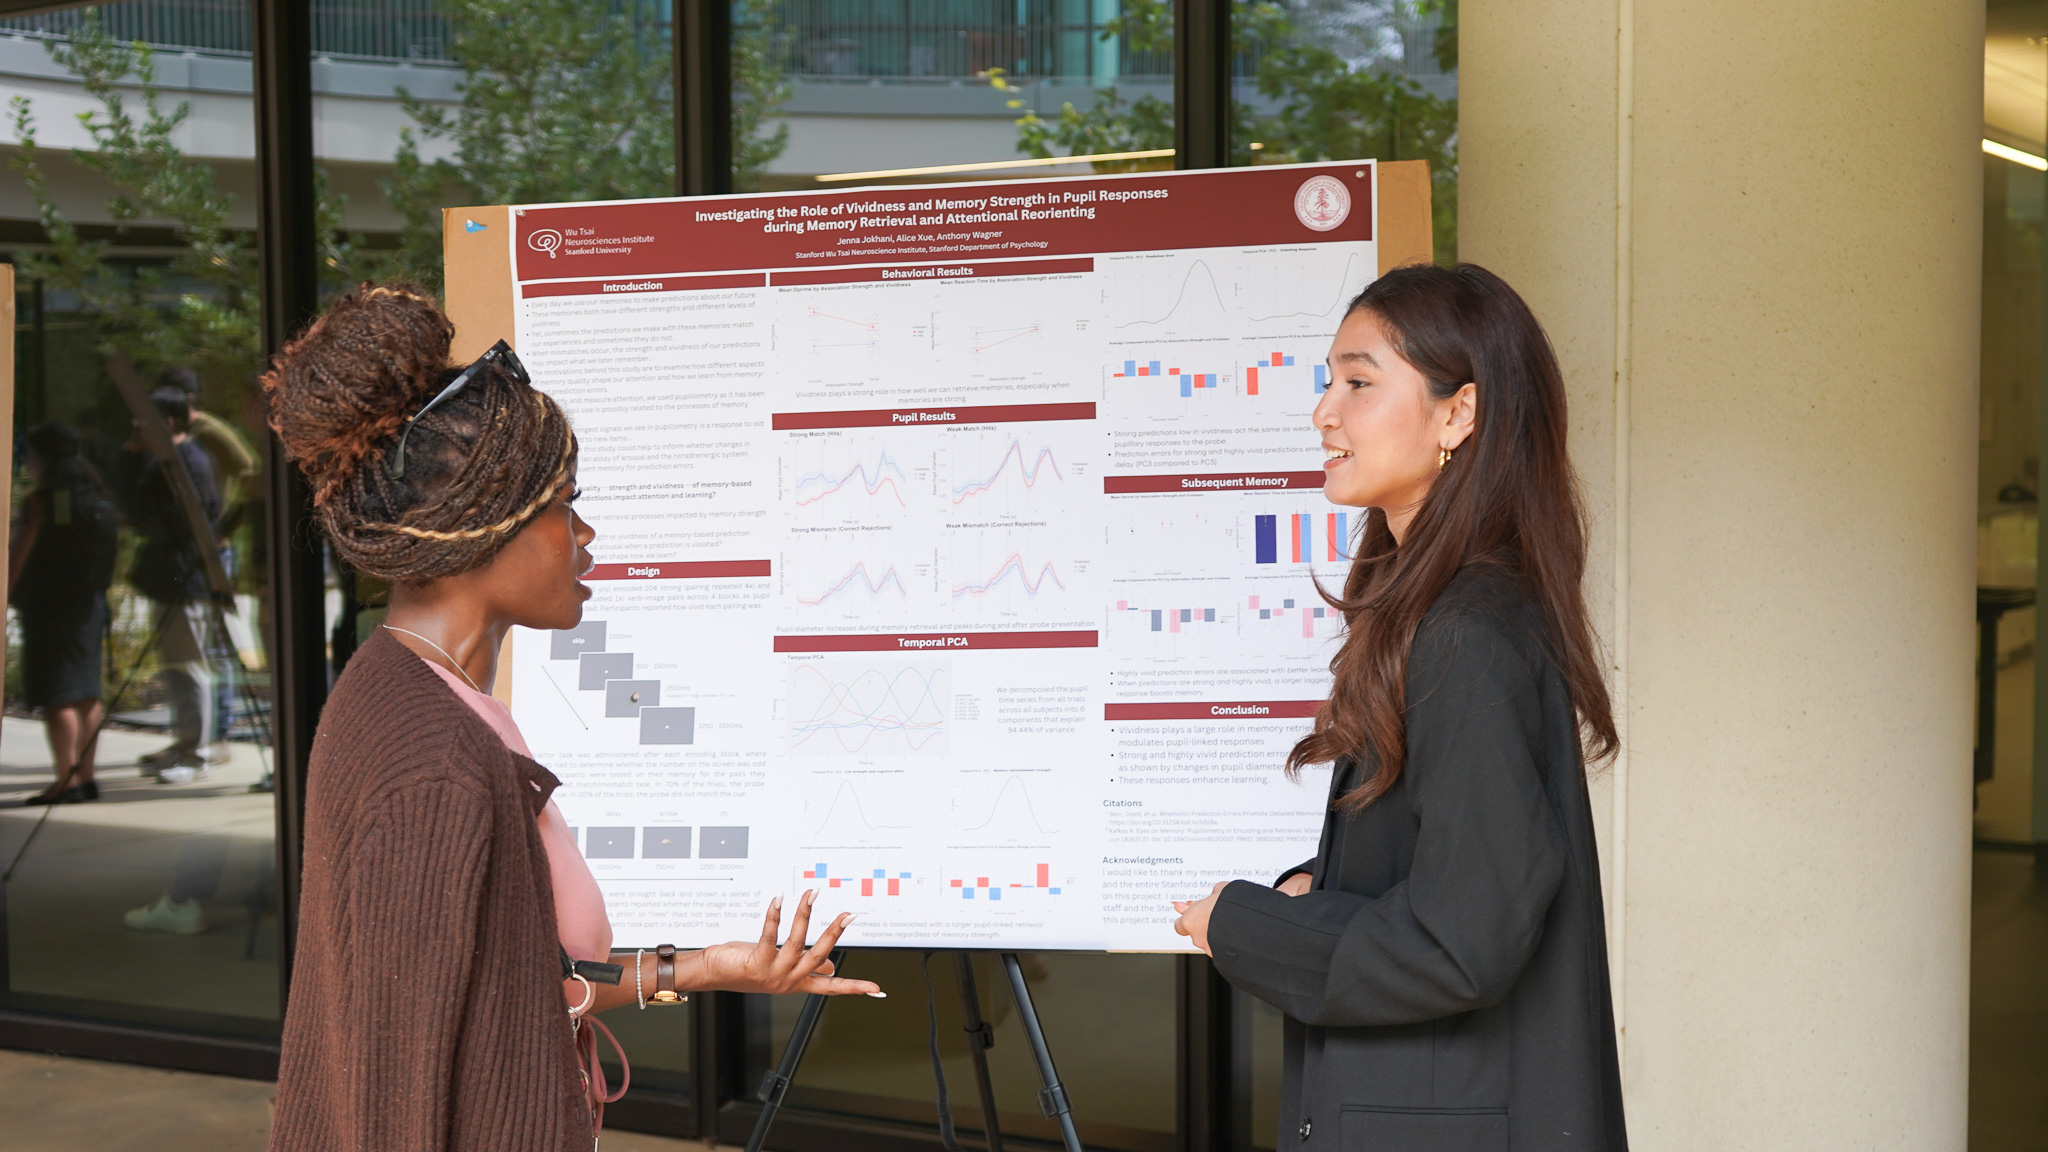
x=1322, y=202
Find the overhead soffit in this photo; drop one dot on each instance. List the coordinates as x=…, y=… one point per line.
x=31, y=7
x=2015, y=74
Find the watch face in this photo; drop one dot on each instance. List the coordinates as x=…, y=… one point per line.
x=665, y=998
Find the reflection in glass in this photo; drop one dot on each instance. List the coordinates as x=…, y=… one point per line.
x=147, y=892
x=1350, y=80
x=834, y=93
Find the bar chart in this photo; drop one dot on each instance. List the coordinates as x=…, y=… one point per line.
x=867, y=882
x=1297, y=539
x=1277, y=369
x=992, y=889
x=1185, y=383
x=1314, y=620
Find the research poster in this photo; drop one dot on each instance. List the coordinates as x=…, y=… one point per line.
x=956, y=544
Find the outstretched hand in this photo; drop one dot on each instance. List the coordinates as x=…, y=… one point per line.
x=1194, y=915
x=777, y=966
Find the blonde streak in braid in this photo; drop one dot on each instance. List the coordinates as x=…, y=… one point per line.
x=546, y=497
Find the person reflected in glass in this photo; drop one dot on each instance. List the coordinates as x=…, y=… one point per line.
x=1442, y=959
x=443, y=890
x=235, y=467
x=60, y=561
x=170, y=570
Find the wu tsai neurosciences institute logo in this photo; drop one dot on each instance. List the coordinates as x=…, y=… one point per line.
x=550, y=241
x=1322, y=203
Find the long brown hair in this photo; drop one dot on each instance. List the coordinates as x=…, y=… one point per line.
x=1508, y=500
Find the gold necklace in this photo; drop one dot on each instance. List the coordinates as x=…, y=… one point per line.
x=456, y=664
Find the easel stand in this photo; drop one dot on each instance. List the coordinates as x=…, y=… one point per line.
x=1052, y=1099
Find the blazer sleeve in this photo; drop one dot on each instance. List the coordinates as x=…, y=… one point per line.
x=1455, y=934
x=416, y=885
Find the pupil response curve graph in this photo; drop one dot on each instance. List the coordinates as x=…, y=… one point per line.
x=859, y=573
x=815, y=486
x=1028, y=473
x=857, y=710
x=1013, y=566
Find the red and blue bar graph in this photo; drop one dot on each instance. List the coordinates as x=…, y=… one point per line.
x=1189, y=381
x=894, y=884
x=1301, y=537
x=1281, y=360
x=995, y=891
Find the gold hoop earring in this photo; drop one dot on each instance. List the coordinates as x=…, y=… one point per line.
x=1443, y=457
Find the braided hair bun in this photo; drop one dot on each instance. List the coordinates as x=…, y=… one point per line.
x=477, y=468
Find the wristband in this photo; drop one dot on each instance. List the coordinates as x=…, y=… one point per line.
x=665, y=977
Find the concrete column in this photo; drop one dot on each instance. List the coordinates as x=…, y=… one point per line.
x=1752, y=230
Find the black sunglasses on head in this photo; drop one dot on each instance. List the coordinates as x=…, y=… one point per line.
x=500, y=354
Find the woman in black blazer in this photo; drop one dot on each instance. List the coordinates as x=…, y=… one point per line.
x=1442, y=960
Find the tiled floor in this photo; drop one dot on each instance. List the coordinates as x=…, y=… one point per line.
x=51, y=1104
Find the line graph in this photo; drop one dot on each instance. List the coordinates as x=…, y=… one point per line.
x=855, y=709
x=1012, y=809
x=858, y=576
x=1014, y=565
x=1187, y=283
x=1297, y=285
x=987, y=338
x=1029, y=474
x=835, y=331
x=815, y=486
x=846, y=808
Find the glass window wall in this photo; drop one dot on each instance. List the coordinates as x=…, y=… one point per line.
x=1350, y=80
x=837, y=93
x=136, y=692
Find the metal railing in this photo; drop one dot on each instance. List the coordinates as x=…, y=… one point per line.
x=371, y=30
x=808, y=38
x=951, y=38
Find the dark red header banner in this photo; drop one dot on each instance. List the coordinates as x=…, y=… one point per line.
x=1073, y=216
x=903, y=272
x=1213, y=710
x=925, y=417
x=935, y=641
x=629, y=286
x=1213, y=482
x=673, y=570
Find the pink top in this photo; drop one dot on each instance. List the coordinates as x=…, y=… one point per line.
x=579, y=905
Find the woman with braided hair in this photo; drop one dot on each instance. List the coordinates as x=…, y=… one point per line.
x=443, y=896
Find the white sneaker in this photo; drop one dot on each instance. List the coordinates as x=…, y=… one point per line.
x=183, y=774
x=219, y=752
x=161, y=758
x=180, y=918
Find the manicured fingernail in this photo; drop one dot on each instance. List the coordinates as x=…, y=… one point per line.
x=776, y=904
x=847, y=918
x=879, y=995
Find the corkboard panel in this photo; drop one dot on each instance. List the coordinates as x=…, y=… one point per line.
x=1406, y=233
x=478, y=268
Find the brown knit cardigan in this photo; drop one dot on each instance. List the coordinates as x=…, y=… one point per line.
x=426, y=1009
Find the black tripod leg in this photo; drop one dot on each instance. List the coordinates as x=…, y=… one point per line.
x=1053, y=1099
x=776, y=1083
x=980, y=1038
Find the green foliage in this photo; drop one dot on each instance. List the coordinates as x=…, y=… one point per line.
x=201, y=308
x=1316, y=105
x=758, y=87
x=561, y=100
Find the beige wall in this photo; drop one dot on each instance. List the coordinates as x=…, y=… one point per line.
x=1753, y=231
